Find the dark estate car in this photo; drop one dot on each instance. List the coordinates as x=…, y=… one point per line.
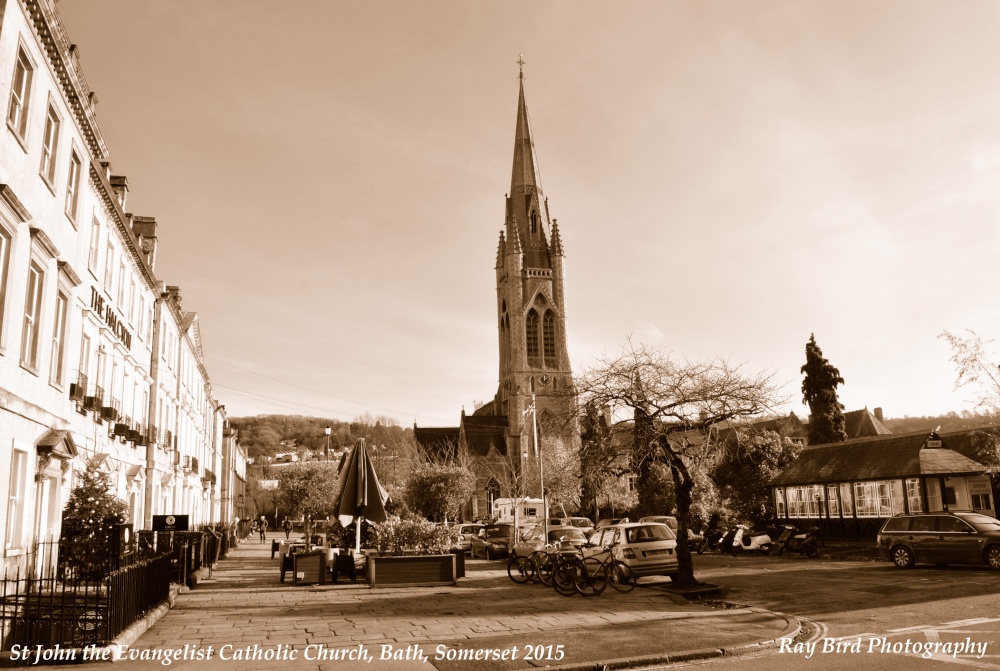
x=493, y=540
x=941, y=538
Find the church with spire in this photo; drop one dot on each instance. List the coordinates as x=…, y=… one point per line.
x=535, y=395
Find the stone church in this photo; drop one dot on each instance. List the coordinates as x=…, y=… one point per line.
x=535, y=393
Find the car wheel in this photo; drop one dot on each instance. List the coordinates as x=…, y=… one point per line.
x=993, y=556
x=902, y=557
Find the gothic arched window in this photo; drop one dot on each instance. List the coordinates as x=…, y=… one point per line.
x=549, y=335
x=534, y=222
x=531, y=333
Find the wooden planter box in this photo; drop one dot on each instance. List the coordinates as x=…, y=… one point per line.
x=419, y=570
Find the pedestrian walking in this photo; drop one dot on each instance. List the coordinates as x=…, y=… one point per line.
x=287, y=526
x=263, y=528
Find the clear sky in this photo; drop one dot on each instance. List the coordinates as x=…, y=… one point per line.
x=729, y=177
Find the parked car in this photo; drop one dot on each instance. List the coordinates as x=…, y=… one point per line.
x=646, y=548
x=493, y=541
x=465, y=534
x=584, y=524
x=940, y=538
x=567, y=537
x=694, y=539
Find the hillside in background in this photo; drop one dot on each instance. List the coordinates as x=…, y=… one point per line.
x=952, y=421
x=263, y=436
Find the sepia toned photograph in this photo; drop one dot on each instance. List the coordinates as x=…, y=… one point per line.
x=454, y=335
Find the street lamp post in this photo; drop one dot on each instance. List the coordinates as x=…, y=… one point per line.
x=327, y=431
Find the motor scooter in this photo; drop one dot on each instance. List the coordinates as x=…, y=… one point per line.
x=746, y=540
x=792, y=541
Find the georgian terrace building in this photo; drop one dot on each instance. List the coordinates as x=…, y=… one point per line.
x=850, y=488
x=97, y=360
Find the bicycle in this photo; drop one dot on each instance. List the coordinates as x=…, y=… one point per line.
x=520, y=569
x=574, y=574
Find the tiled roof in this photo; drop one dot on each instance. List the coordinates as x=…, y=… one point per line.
x=481, y=432
x=860, y=423
x=880, y=457
x=438, y=442
x=790, y=426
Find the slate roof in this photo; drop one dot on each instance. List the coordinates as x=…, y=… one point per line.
x=859, y=423
x=437, y=442
x=479, y=433
x=484, y=431
x=790, y=426
x=882, y=457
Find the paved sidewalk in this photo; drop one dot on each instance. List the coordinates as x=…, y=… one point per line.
x=250, y=620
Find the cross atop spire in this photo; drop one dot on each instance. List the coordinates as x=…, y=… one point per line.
x=520, y=67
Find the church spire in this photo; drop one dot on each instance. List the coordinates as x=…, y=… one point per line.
x=524, y=179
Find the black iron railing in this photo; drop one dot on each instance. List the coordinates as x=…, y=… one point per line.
x=74, y=610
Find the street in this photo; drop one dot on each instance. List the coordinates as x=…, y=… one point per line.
x=866, y=614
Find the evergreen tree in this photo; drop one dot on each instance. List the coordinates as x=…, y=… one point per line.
x=88, y=520
x=819, y=391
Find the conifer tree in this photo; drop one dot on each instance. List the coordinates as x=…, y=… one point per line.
x=819, y=391
x=88, y=520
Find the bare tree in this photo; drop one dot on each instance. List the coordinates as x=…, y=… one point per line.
x=976, y=366
x=674, y=403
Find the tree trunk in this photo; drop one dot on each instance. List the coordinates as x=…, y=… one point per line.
x=683, y=487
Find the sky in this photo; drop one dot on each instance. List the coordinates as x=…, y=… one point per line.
x=729, y=177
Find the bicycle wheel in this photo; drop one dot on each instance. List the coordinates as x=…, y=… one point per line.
x=543, y=564
x=565, y=574
x=593, y=579
x=520, y=569
x=621, y=577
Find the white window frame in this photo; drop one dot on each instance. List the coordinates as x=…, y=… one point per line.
x=31, y=326
x=121, y=283
x=846, y=500
x=109, y=264
x=57, y=364
x=20, y=96
x=832, y=501
x=913, y=497
x=6, y=246
x=50, y=145
x=779, y=501
x=73, y=184
x=897, y=494
x=94, y=254
x=16, y=501
x=866, y=499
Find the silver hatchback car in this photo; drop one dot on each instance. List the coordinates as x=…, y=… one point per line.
x=941, y=538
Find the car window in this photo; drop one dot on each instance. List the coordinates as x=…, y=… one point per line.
x=929, y=523
x=953, y=524
x=982, y=522
x=648, y=533
x=897, y=524
x=566, y=533
x=498, y=532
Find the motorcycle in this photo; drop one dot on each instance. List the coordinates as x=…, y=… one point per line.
x=792, y=541
x=746, y=540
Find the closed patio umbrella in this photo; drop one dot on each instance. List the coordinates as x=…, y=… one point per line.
x=362, y=497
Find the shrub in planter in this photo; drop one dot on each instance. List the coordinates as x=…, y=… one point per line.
x=398, y=535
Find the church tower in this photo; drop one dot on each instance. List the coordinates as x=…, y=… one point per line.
x=531, y=310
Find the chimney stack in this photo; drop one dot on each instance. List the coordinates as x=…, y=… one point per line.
x=878, y=414
x=145, y=230
x=120, y=184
